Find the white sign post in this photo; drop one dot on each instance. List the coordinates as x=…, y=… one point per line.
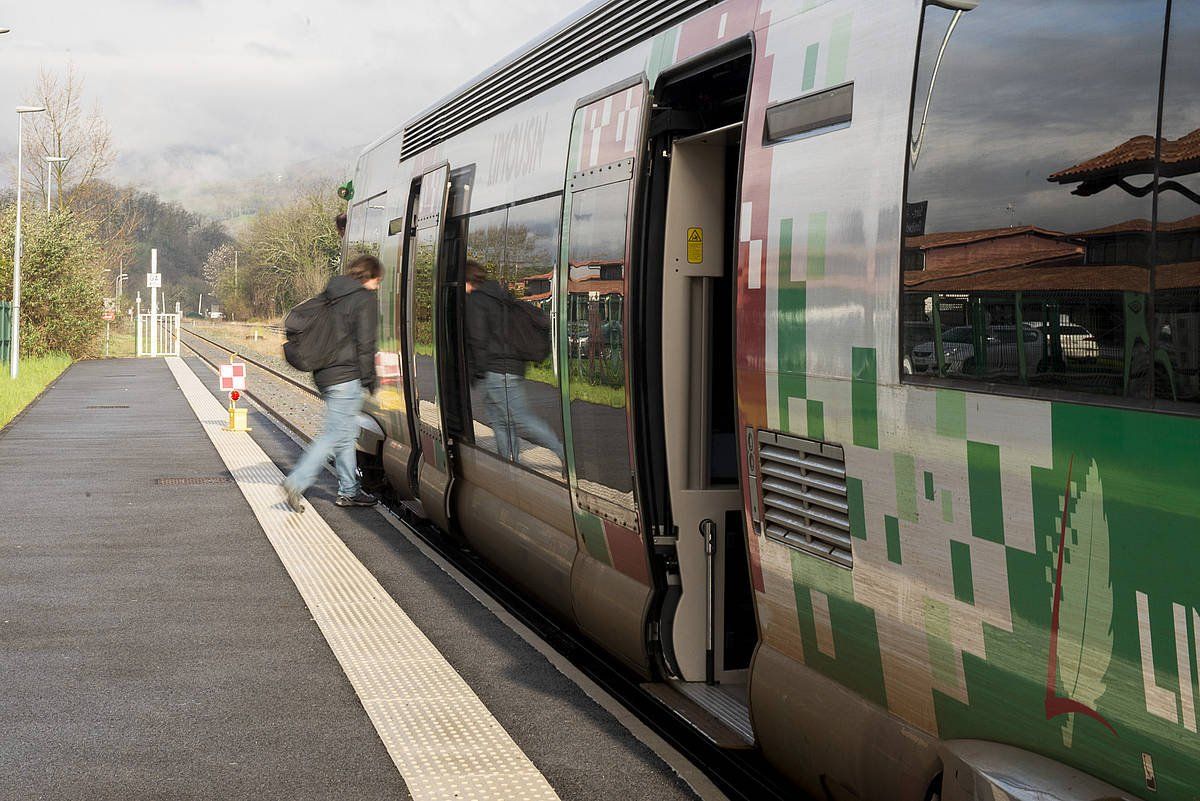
x=153, y=281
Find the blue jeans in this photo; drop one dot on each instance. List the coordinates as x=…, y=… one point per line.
x=508, y=412
x=343, y=402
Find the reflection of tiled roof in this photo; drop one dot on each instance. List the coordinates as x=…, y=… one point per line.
x=1177, y=276
x=1142, y=226
x=590, y=284
x=1136, y=157
x=535, y=298
x=597, y=263
x=950, y=238
x=542, y=277
x=963, y=271
x=1032, y=278
x=1139, y=226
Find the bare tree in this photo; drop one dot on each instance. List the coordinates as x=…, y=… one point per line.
x=115, y=215
x=69, y=130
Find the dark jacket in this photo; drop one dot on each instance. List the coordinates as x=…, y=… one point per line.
x=487, y=352
x=360, y=313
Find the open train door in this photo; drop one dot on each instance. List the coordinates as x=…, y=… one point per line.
x=687, y=405
x=429, y=466
x=610, y=577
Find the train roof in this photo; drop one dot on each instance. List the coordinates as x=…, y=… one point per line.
x=582, y=40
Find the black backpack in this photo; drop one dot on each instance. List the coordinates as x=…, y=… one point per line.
x=315, y=334
x=526, y=331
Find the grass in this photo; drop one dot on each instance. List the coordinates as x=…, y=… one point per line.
x=35, y=375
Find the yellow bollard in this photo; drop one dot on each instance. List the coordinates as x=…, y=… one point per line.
x=237, y=417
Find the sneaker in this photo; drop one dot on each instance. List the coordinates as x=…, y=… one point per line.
x=360, y=498
x=295, y=500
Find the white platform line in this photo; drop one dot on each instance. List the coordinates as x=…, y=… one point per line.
x=444, y=741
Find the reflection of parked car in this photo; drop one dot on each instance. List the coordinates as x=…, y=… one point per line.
x=958, y=350
x=915, y=331
x=1077, y=342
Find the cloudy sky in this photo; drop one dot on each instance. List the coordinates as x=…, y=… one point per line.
x=199, y=91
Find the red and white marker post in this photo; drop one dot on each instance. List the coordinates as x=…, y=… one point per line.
x=233, y=381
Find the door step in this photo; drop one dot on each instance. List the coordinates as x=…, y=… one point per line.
x=715, y=712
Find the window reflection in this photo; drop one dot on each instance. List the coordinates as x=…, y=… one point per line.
x=424, y=259
x=531, y=248
x=1027, y=248
x=595, y=345
x=1177, y=246
x=423, y=272
x=515, y=399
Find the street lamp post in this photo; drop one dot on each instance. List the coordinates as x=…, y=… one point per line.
x=51, y=160
x=15, y=347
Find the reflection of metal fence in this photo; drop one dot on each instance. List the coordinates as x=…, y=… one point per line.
x=5, y=331
x=595, y=338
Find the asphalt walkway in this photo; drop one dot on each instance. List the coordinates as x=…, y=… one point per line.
x=154, y=646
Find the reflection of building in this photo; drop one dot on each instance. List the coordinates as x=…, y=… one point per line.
x=960, y=252
x=1112, y=258
x=994, y=259
x=537, y=288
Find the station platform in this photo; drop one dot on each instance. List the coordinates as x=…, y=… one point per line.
x=168, y=629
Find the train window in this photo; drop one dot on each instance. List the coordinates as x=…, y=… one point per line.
x=1026, y=251
x=594, y=306
x=356, y=225
x=515, y=402
x=1177, y=240
x=424, y=259
x=531, y=247
x=485, y=246
x=373, y=225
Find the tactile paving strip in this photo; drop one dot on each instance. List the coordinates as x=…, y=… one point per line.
x=442, y=738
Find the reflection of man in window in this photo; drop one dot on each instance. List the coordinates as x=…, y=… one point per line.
x=497, y=371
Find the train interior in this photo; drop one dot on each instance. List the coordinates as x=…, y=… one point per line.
x=706, y=622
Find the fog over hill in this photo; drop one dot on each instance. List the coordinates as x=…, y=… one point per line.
x=198, y=179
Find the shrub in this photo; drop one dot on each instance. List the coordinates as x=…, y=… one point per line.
x=62, y=293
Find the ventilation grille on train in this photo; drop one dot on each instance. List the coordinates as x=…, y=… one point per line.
x=579, y=44
x=803, y=488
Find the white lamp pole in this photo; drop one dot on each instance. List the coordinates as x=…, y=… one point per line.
x=14, y=355
x=51, y=160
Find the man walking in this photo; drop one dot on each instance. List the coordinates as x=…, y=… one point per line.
x=349, y=375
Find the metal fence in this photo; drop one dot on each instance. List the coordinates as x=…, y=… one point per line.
x=5, y=331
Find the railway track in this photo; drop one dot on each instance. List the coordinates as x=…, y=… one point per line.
x=741, y=775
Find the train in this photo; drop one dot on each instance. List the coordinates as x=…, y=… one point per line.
x=867, y=435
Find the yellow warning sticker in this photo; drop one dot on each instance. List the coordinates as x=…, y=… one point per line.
x=695, y=246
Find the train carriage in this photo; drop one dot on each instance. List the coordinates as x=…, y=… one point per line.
x=868, y=434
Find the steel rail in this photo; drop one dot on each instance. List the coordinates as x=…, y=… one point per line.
x=741, y=775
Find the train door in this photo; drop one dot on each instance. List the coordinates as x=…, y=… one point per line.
x=610, y=575
x=429, y=465
x=391, y=399
x=706, y=620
